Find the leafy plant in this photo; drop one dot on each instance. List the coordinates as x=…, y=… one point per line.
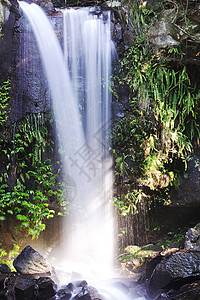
x=155, y=137
x=7, y=258
x=4, y=98
x=130, y=203
x=29, y=182
x=28, y=206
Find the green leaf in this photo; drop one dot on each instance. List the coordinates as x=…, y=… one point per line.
x=22, y=218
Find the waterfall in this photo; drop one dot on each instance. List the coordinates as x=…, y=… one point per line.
x=87, y=52
x=78, y=74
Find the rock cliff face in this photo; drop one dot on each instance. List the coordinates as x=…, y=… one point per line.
x=9, y=13
x=29, y=87
x=20, y=61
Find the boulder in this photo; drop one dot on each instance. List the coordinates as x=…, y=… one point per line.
x=64, y=294
x=8, y=289
x=46, y=288
x=30, y=261
x=186, y=292
x=192, y=238
x=24, y=288
x=172, y=269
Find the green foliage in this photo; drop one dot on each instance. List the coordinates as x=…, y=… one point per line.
x=132, y=251
x=29, y=182
x=4, y=98
x=130, y=203
x=30, y=207
x=7, y=258
x=171, y=240
x=161, y=117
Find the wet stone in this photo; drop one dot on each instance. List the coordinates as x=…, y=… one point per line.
x=2, y=281
x=64, y=294
x=4, y=268
x=30, y=261
x=71, y=286
x=24, y=288
x=80, y=296
x=46, y=288
x=192, y=238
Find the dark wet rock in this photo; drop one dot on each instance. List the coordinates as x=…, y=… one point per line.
x=46, y=288
x=24, y=288
x=170, y=270
x=81, y=296
x=192, y=238
x=82, y=283
x=186, y=292
x=8, y=291
x=30, y=93
x=118, y=35
x=177, y=265
x=92, y=291
x=9, y=14
x=30, y=261
x=70, y=286
x=64, y=294
x=14, y=286
x=76, y=3
x=122, y=30
x=183, y=264
x=4, y=268
x=2, y=281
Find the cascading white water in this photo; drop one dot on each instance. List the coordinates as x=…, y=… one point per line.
x=87, y=51
x=88, y=235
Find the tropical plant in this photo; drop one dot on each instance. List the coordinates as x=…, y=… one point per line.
x=160, y=125
x=4, y=98
x=29, y=182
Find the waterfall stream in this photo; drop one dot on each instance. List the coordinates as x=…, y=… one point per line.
x=78, y=74
x=79, y=78
x=87, y=52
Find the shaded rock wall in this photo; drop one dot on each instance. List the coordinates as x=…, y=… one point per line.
x=9, y=14
x=29, y=87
